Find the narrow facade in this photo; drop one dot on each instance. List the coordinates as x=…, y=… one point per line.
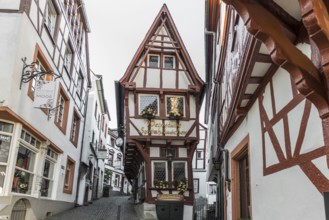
x=40, y=144
x=267, y=102
x=94, y=150
x=114, y=163
x=161, y=93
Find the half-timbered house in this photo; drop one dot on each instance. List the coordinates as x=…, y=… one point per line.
x=267, y=102
x=44, y=83
x=161, y=93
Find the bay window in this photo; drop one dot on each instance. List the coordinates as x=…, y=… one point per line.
x=6, y=130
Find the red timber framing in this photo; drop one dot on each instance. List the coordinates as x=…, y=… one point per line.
x=149, y=139
x=310, y=81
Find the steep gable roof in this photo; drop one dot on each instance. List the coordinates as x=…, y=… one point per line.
x=164, y=26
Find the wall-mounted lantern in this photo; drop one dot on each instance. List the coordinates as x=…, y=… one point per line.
x=169, y=158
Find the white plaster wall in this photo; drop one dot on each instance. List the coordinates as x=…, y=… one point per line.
x=10, y=4
x=287, y=194
x=201, y=175
x=153, y=78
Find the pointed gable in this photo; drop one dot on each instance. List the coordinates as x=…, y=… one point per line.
x=162, y=60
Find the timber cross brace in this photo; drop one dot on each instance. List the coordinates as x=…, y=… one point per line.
x=311, y=80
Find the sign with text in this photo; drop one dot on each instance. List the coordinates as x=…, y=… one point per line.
x=168, y=128
x=44, y=94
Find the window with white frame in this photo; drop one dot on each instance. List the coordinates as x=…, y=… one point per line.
x=153, y=60
x=148, y=104
x=169, y=62
x=178, y=171
x=51, y=17
x=60, y=114
x=48, y=173
x=6, y=131
x=175, y=105
x=159, y=171
x=25, y=162
x=68, y=57
x=80, y=84
x=74, y=135
x=117, y=180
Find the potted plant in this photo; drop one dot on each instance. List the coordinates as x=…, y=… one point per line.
x=175, y=114
x=149, y=113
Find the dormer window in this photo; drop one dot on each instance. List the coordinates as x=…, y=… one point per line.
x=153, y=60
x=169, y=62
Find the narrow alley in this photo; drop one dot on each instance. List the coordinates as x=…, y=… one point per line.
x=106, y=208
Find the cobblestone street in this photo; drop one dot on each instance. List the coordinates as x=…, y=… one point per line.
x=110, y=208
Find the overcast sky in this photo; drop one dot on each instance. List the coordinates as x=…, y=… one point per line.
x=119, y=26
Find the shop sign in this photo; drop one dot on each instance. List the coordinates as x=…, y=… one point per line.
x=159, y=128
x=44, y=94
x=5, y=138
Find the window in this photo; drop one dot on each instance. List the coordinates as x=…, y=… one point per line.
x=80, y=84
x=41, y=65
x=212, y=189
x=169, y=62
x=244, y=187
x=48, y=173
x=179, y=171
x=25, y=163
x=62, y=110
x=196, y=185
x=164, y=152
x=74, y=136
x=199, y=154
x=6, y=131
x=110, y=158
x=153, y=61
x=69, y=175
x=241, y=203
x=175, y=105
x=159, y=171
x=51, y=17
x=117, y=180
x=148, y=103
x=68, y=57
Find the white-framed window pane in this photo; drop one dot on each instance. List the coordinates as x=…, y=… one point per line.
x=179, y=171
x=159, y=171
x=148, y=103
x=5, y=141
x=2, y=177
x=46, y=187
x=153, y=61
x=51, y=16
x=25, y=158
x=6, y=127
x=60, y=113
x=169, y=62
x=68, y=58
x=22, y=182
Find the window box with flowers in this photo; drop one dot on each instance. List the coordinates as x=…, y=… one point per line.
x=175, y=115
x=160, y=184
x=180, y=185
x=149, y=113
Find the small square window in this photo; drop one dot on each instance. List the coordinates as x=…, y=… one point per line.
x=169, y=62
x=153, y=61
